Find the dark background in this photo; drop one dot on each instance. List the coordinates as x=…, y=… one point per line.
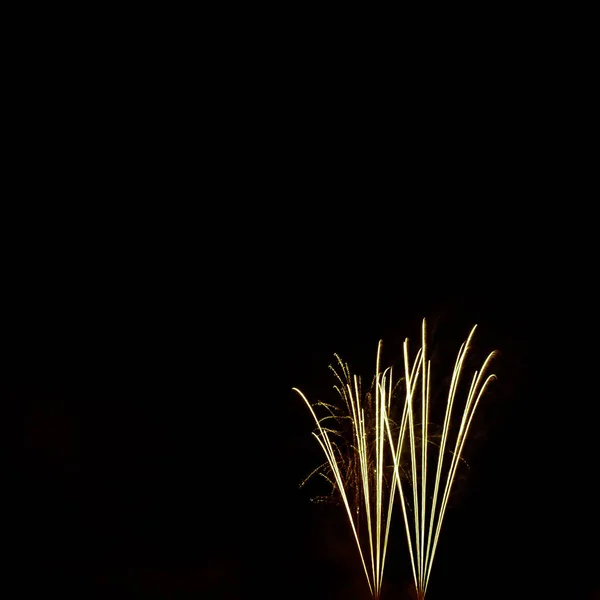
x=523, y=519
x=227, y=228
x=159, y=446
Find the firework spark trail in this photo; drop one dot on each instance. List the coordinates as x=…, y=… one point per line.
x=424, y=418
x=460, y=442
x=411, y=379
x=421, y=552
x=368, y=439
x=364, y=472
x=327, y=447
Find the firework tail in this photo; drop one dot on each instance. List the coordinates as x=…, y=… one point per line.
x=369, y=443
x=366, y=479
x=423, y=534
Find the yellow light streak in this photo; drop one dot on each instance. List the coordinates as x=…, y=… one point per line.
x=369, y=418
x=358, y=474
x=423, y=540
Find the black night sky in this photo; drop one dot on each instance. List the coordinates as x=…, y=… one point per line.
x=154, y=446
x=209, y=218
x=164, y=459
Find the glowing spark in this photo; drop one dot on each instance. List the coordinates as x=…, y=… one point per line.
x=421, y=545
x=359, y=476
x=363, y=472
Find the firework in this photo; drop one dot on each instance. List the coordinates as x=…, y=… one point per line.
x=366, y=464
x=423, y=530
x=356, y=463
